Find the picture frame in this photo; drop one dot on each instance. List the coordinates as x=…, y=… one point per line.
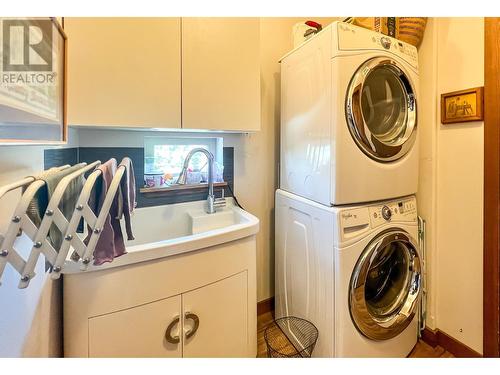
x=33, y=111
x=462, y=106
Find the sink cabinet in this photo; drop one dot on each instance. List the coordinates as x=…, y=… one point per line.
x=130, y=311
x=220, y=310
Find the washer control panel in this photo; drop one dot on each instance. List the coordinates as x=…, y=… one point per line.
x=354, y=221
x=399, y=210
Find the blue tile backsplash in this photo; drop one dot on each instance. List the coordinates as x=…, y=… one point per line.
x=61, y=156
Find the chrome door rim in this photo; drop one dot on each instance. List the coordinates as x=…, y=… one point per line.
x=390, y=326
x=364, y=139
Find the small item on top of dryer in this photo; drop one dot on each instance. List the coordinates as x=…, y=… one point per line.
x=302, y=31
x=408, y=29
x=290, y=337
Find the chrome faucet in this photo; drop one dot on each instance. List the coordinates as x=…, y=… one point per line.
x=212, y=203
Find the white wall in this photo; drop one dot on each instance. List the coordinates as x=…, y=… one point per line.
x=30, y=319
x=451, y=179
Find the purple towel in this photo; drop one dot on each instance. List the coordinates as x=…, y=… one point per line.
x=110, y=243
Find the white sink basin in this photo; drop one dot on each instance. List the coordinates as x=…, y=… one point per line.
x=168, y=230
x=204, y=222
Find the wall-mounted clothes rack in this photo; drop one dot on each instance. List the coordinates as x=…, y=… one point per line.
x=42, y=245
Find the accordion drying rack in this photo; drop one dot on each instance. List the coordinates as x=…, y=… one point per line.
x=21, y=223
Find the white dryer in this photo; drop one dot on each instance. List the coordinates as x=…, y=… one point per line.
x=353, y=271
x=349, y=117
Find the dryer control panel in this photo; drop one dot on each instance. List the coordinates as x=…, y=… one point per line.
x=352, y=37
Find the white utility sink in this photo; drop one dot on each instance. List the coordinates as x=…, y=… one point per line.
x=168, y=230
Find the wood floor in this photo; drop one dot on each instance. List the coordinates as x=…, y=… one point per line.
x=421, y=350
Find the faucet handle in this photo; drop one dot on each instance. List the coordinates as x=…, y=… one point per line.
x=220, y=202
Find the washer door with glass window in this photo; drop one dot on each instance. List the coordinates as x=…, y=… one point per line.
x=381, y=110
x=385, y=285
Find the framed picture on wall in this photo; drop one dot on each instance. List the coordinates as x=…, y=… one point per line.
x=32, y=81
x=462, y=106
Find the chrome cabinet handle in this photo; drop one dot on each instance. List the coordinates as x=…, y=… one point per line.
x=168, y=333
x=196, y=321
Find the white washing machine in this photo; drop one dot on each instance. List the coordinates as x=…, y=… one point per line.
x=349, y=117
x=353, y=271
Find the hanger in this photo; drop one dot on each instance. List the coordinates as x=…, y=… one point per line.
x=21, y=222
x=54, y=215
x=14, y=229
x=25, y=181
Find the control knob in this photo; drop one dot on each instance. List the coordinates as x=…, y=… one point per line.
x=386, y=213
x=386, y=42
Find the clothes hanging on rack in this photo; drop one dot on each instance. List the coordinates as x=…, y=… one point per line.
x=38, y=205
x=128, y=194
x=111, y=243
x=59, y=199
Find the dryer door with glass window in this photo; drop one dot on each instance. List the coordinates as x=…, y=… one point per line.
x=385, y=285
x=381, y=109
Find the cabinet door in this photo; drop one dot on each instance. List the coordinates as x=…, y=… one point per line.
x=137, y=332
x=221, y=73
x=124, y=72
x=222, y=311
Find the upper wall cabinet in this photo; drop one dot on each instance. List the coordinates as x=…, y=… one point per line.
x=124, y=72
x=221, y=73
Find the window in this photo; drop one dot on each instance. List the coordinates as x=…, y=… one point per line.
x=164, y=158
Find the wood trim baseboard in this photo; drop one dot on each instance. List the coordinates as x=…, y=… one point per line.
x=491, y=202
x=452, y=345
x=430, y=337
x=265, y=306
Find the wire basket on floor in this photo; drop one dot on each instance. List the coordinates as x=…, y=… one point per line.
x=290, y=337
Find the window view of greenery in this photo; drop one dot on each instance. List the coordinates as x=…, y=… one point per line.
x=164, y=161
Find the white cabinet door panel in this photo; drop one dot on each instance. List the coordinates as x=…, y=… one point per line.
x=136, y=332
x=223, y=322
x=221, y=73
x=124, y=72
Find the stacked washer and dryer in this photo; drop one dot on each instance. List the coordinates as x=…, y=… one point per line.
x=346, y=222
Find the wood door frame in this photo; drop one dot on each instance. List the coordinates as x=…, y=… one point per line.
x=491, y=203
